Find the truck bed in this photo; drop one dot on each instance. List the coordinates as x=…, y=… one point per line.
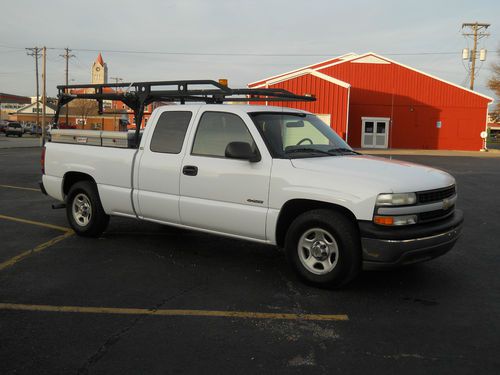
x=110, y=167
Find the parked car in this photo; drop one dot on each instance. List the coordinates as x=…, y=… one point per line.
x=14, y=128
x=36, y=130
x=3, y=126
x=26, y=127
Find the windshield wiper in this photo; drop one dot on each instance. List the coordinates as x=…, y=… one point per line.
x=343, y=149
x=309, y=149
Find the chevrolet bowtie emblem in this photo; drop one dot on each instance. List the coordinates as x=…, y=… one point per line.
x=446, y=203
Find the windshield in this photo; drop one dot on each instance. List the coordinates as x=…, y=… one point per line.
x=298, y=135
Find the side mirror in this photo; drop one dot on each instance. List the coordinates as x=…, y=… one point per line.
x=243, y=151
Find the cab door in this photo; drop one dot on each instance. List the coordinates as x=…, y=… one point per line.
x=222, y=194
x=159, y=167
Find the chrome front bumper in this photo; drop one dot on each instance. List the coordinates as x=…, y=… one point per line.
x=379, y=252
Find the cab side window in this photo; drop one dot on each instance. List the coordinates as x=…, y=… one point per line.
x=216, y=130
x=170, y=131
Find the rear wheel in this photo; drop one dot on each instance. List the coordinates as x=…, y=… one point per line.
x=84, y=210
x=323, y=247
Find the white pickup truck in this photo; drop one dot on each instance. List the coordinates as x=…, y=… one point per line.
x=267, y=174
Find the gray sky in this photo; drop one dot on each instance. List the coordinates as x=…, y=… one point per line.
x=277, y=27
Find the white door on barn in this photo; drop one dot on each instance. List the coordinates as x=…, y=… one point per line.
x=326, y=118
x=375, y=132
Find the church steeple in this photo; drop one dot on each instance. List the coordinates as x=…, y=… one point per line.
x=99, y=59
x=99, y=70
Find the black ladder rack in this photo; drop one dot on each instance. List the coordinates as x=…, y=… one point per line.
x=137, y=95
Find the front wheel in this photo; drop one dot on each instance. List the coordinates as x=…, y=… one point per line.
x=84, y=210
x=323, y=247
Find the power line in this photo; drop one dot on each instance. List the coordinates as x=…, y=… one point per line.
x=246, y=54
x=241, y=54
x=79, y=64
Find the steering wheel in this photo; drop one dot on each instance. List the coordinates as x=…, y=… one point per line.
x=305, y=139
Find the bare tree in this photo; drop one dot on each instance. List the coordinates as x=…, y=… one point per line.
x=83, y=108
x=494, y=85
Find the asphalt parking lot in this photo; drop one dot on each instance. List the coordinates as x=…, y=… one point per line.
x=149, y=299
x=27, y=140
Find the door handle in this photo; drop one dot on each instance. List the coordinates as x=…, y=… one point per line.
x=190, y=170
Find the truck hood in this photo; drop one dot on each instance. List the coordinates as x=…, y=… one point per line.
x=393, y=176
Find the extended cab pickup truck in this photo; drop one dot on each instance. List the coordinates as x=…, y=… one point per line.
x=266, y=174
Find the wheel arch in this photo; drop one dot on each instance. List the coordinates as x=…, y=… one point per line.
x=71, y=178
x=295, y=207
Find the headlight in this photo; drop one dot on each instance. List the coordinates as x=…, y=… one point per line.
x=397, y=199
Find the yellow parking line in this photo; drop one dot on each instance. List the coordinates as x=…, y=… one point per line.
x=19, y=187
x=36, y=249
x=40, y=224
x=169, y=312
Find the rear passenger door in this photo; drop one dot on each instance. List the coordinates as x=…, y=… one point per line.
x=221, y=194
x=159, y=167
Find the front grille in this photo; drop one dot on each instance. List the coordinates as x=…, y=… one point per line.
x=435, y=215
x=435, y=195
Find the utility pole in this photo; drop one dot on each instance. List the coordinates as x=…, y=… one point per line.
x=67, y=56
x=44, y=91
x=35, y=53
x=117, y=80
x=477, y=31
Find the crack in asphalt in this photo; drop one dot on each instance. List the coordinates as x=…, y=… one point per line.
x=114, y=338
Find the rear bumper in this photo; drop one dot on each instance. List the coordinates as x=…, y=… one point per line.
x=391, y=247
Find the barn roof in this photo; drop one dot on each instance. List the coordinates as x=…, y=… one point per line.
x=370, y=57
x=313, y=66
x=302, y=72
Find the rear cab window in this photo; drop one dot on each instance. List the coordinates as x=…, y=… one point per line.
x=170, y=131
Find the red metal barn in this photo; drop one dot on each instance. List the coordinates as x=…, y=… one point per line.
x=375, y=102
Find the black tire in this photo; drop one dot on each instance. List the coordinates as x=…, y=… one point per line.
x=341, y=246
x=20, y=135
x=85, y=195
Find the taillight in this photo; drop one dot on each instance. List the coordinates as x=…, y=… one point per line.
x=42, y=160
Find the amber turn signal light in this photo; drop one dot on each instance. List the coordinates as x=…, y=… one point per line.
x=383, y=220
x=395, y=220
